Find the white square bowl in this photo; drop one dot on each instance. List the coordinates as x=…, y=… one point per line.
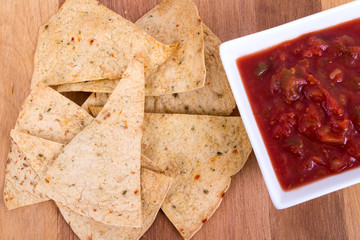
x=230, y=51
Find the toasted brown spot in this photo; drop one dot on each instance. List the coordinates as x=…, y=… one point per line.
x=136, y=191
x=107, y=116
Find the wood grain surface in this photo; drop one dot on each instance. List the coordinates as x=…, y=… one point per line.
x=247, y=211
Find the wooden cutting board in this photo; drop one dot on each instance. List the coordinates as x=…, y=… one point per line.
x=247, y=211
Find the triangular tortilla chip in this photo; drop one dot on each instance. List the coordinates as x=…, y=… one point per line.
x=208, y=150
x=154, y=187
x=215, y=98
x=21, y=174
x=103, y=161
x=176, y=21
x=15, y=198
x=171, y=22
x=49, y=115
x=87, y=41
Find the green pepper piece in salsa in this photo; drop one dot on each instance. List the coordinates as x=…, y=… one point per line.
x=261, y=68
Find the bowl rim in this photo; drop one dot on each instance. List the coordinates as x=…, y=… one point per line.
x=233, y=49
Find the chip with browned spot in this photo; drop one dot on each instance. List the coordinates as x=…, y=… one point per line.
x=104, y=159
x=86, y=41
x=203, y=149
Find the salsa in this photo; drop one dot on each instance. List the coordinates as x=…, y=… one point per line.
x=305, y=95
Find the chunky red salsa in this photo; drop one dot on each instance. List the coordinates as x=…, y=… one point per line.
x=305, y=94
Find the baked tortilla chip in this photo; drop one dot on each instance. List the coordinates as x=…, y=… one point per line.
x=87, y=41
x=176, y=21
x=215, y=98
x=15, y=198
x=208, y=150
x=49, y=115
x=103, y=160
x=154, y=187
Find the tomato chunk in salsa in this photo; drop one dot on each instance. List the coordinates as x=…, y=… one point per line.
x=305, y=95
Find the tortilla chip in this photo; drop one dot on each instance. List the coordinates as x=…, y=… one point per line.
x=154, y=188
x=176, y=21
x=95, y=99
x=215, y=98
x=103, y=160
x=87, y=41
x=99, y=86
x=39, y=152
x=21, y=175
x=14, y=198
x=49, y=115
x=208, y=150
x=95, y=110
x=171, y=170
x=150, y=165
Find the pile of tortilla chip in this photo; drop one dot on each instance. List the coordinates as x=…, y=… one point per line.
x=154, y=133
